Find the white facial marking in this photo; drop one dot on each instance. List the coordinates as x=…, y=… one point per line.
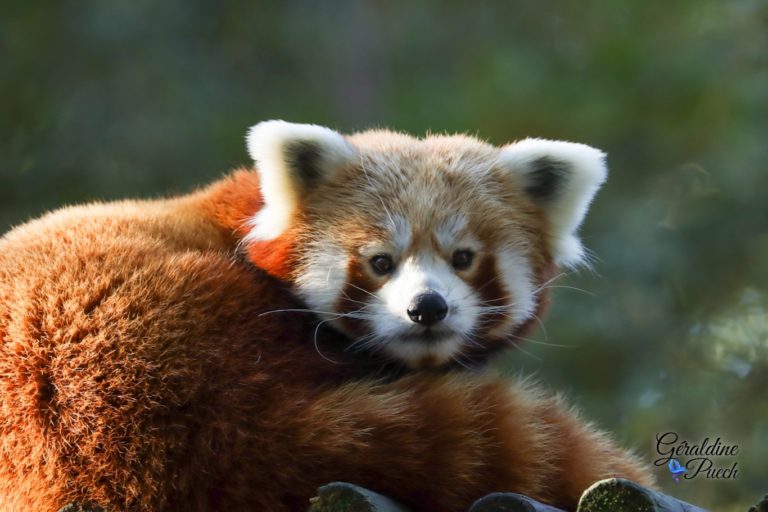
x=447, y=233
x=517, y=276
x=324, y=275
x=400, y=229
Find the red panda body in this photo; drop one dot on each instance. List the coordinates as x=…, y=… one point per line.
x=148, y=362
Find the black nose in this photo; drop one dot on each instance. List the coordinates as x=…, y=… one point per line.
x=428, y=308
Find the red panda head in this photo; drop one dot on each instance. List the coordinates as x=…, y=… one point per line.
x=427, y=250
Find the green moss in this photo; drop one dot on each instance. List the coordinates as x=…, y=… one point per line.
x=616, y=496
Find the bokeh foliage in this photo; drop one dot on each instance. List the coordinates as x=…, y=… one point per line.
x=103, y=100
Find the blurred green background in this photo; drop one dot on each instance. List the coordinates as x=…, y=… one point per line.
x=102, y=100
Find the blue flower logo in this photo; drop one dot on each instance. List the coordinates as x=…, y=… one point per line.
x=676, y=469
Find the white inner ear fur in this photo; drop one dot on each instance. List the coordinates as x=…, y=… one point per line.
x=281, y=186
x=584, y=171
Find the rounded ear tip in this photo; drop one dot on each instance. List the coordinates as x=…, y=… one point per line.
x=569, y=253
x=257, y=136
x=593, y=158
x=265, y=125
x=595, y=167
x=582, y=155
x=264, y=138
x=271, y=124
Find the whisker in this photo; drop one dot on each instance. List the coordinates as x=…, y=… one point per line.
x=362, y=342
x=356, y=313
x=545, y=344
x=364, y=304
x=474, y=291
x=454, y=283
x=548, y=282
x=469, y=339
x=537, y=342
x=494, y=309
x=518, y=347
x=457, y=359
x=297, y=310
x=572, y=288
x=317, y=345
x=491, y=280
x=541, y=324
x=362, y=290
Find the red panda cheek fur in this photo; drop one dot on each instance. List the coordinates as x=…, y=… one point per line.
x=232, y=203
x=277, y=257
x=544, y=271
x=487, y=283
x=356, y=292
x=544, y=275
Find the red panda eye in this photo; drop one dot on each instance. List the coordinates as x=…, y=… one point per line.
x=382, y=264
x=462, y=259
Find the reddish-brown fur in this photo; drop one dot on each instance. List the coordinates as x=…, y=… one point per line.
x=139, y=371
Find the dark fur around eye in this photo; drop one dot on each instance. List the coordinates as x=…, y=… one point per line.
x=462, y=259
x=382, y=264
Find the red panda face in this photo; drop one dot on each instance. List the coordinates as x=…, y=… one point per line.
x=432, y=294
x=430, y=251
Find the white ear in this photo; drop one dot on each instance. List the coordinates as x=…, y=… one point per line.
x=291, y=159
x=562, y=177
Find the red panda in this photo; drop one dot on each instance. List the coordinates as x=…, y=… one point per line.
x=430, y=251
x=167, y=355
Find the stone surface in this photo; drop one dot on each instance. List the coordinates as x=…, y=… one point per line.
x=619, y=495
x=344, y=497
x=760, y=507
x=510, y=502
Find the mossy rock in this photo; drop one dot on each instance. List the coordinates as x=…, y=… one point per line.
x=619, y=495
